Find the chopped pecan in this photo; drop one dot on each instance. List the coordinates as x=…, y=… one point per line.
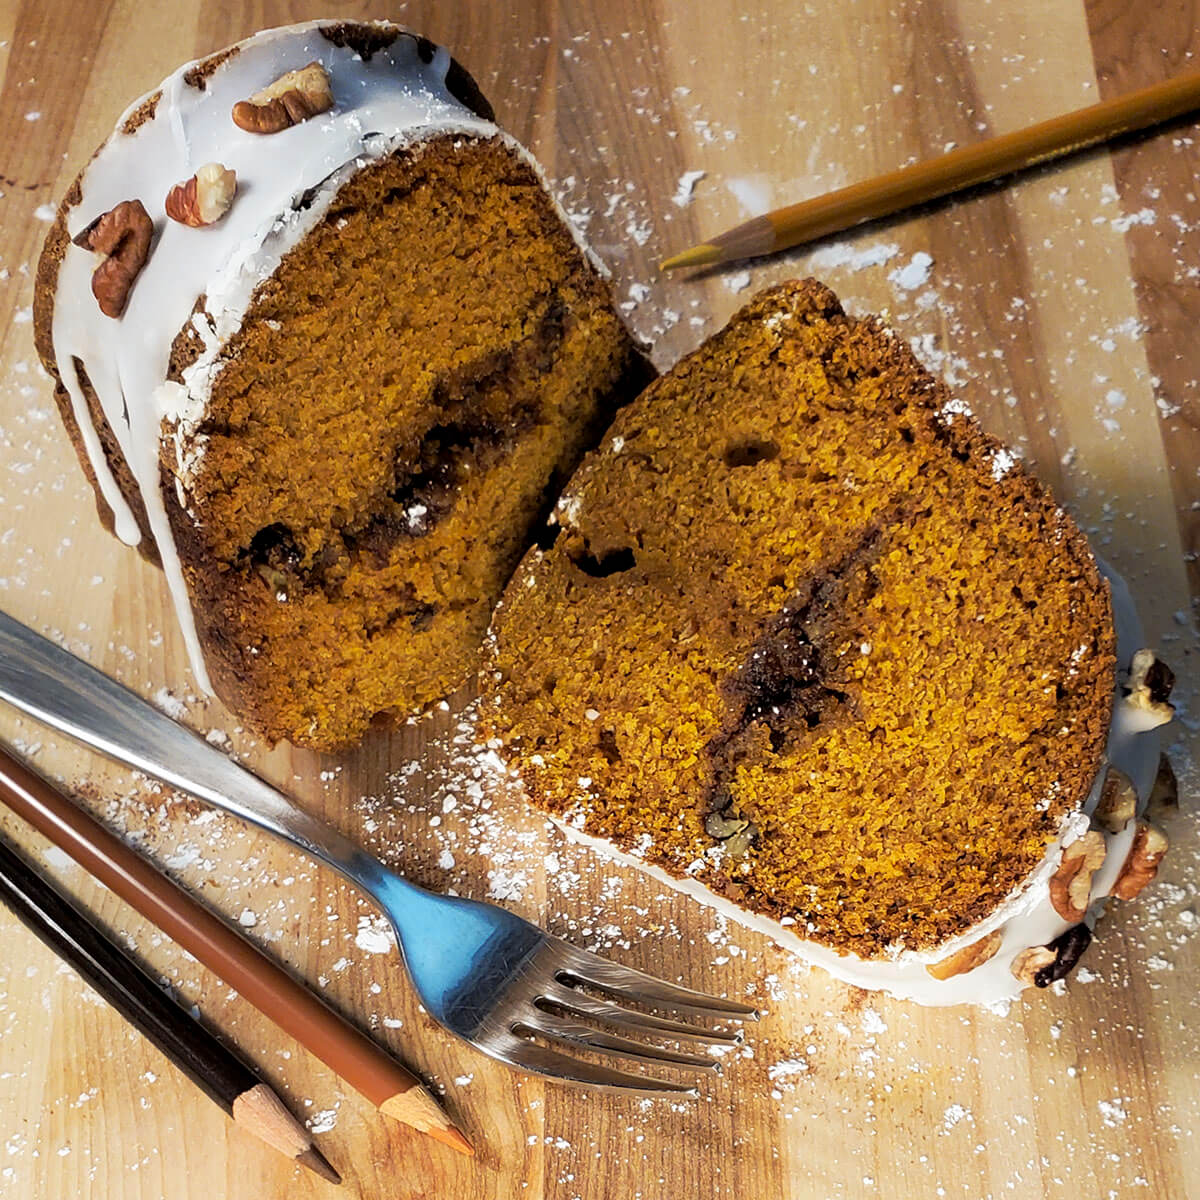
x=1150, y=683
x=1029, y=963
x=203, y=199
x=1071, y=884
x=291, y=99
x=1118, y=802
x=123, y=234
x=968, y=958
x=740, y=842
x=1141, y=864
x=1068, y=949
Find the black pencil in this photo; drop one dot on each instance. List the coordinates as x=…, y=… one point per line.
x=222, y=1076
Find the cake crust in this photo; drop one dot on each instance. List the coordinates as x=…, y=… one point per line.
x=810, y=637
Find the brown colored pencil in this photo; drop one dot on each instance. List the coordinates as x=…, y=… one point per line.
x=962, y=168
x=390, y=1087
x=215, y=1069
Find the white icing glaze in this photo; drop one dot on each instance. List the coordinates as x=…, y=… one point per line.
x=1026, y=918
x=380, y=104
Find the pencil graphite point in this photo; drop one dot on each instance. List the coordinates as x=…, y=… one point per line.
x=261, y=1111
x=316, y=1162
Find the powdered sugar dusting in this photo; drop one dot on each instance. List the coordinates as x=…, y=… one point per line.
x=685, y=188
x=375, y=935
x=849, y=256
x=914, y=274
x=1003, y=461
x=753, y=193
x=323, y=1121
x=505, y=884
x=953, y=1115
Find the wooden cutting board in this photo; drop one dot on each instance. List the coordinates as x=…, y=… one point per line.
x=1063, y=309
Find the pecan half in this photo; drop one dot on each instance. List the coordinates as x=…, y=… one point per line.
x=968, y=958
x=291, y=99
x=1141, y=864
x=203, y=199
x=1118, y=802
x=1150, y=684
x=123, y=234
x=1071, y=884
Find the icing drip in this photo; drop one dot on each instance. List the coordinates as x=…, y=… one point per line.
x=379, y=104
x=1025, y=919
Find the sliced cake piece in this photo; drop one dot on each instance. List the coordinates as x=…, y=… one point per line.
x=335, y=369
x=811, y=645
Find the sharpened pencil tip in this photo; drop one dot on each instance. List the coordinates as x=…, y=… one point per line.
x=698, y=256
x=316, y=1162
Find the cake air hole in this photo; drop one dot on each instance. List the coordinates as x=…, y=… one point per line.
x=607, y=742
x=612, y=562
x=750, y=452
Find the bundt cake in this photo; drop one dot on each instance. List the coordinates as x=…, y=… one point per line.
x=328, y=349
x=809, y=644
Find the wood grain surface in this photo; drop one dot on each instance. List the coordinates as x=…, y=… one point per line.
x=1063, y=308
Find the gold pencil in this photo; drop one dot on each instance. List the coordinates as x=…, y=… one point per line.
x=965, y=167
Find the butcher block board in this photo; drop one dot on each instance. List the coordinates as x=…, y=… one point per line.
x=1062, y=307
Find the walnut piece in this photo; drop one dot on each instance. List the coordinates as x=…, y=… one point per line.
x=291, y=99
x=1071, y=884
x=1029, y=963
x=203, y=199
x=123, y=235
x=1118, y=802
x=1141, y=864
x=968, y=958
x=1150, y=683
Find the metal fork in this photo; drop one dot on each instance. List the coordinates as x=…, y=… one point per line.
x=487, y=975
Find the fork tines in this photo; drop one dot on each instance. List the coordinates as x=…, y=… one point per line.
x=550, y=1006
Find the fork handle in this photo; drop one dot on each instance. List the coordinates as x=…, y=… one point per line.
x=70, y=695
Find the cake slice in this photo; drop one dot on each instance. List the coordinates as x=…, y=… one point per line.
x=810, y=645
x=328, y=349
